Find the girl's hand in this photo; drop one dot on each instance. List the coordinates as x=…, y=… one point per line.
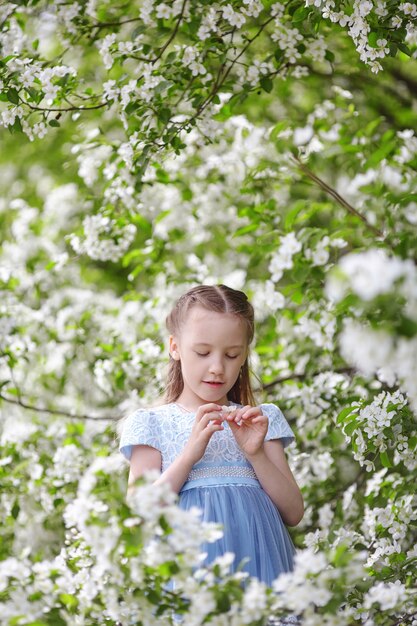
x=249, y=427
x=208, y=420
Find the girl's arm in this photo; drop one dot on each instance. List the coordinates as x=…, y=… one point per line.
x=249, y=427
x=274, y=474
x=208, y=420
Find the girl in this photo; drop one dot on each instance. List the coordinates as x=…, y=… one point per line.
x=215, y=448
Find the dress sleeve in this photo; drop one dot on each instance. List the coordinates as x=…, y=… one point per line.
x=139, y=428
x=278, y=427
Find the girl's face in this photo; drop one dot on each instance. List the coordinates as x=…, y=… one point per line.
x=212, y=348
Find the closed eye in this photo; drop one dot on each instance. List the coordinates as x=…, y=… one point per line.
x=202, y=353
x=232, y=356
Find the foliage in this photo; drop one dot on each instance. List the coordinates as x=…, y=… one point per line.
x=149, y=146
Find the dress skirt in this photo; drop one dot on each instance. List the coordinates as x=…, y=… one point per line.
x=252, y=526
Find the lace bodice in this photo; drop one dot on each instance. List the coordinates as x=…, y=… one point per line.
x=167, y=428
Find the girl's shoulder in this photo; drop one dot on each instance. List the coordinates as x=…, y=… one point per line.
x=146, y=426
x=149, y=412
x=278, y=427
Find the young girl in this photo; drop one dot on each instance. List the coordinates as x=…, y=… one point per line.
x=215, y=448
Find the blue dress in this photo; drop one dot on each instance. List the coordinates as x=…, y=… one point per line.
x=223, y=485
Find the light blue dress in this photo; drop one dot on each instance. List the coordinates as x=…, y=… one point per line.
x=223, y=485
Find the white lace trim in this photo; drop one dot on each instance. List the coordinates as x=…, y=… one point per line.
x=216, y=472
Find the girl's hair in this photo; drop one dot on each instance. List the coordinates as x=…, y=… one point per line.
x=220, y=299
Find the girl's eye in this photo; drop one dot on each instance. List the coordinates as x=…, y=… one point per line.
x=202, y=353
x=232, y=356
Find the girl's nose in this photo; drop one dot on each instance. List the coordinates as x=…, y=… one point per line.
x=216, y=366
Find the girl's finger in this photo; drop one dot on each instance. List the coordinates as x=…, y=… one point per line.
x=251, y=412
x=214, y=416
x=214, y=426
x=206, y=408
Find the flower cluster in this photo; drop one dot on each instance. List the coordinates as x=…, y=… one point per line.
x=374, y=272
x=374, y=426
x=282, y=259
x=358, y=23
x=104, y=239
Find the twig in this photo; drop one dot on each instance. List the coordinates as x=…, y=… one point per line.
x=173, y=34
x=56, y=411
x=283, y=379
x=336, y=196
x=72, y=108
x=407, y=618
x=100, y=25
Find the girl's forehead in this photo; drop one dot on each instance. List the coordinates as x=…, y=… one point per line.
x=201, y=321
x=198, y=314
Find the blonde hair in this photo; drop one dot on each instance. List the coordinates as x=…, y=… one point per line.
x=220, y=299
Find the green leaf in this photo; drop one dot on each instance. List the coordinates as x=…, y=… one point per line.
x=384, y=151
x=279, y=54
x=69, y=600
x=164, y=115
x=153, y=596
x=266, y=84
x=373, y=38
x=385, y=459
x=16, y=127
x=15, y=510
x=6, y=59
x=223, y=601
x=412, y=442
x=13, y=96
x=54, y=123
x=350, y=428
x=344, y=413
x=300, y=14
x=405, y=49
x=246, y=229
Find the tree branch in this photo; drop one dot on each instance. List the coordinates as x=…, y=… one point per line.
x=65, y=110
x=336, y=196
x=30, y=407
x=100, y=25
x=221, y=78
x=404, y=618
x=173, y=34
x=283, y=379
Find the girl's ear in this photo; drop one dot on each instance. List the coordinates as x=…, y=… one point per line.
x=173, y=348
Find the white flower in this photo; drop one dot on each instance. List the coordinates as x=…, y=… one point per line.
x=302, y=135
x=368, y=274
x=254, y=601
x=282, y=259
x=163, y=11
x=104, y=48
x=408, y=8
x=104, y=240
x=233, y=17
x=387, y=595
x=364, y=348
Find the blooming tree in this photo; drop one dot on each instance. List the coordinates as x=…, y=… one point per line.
x=150, y=146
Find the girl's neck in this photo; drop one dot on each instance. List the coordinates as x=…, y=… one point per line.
x=184, y=408
x=191, y=405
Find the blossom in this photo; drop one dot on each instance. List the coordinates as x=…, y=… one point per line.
x=368, y=274
x=233, y=17
x=104, y=239
x=387, y=595
x=282, y=259
x=104, y=47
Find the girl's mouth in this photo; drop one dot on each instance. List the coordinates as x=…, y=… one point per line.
x=213, y=383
